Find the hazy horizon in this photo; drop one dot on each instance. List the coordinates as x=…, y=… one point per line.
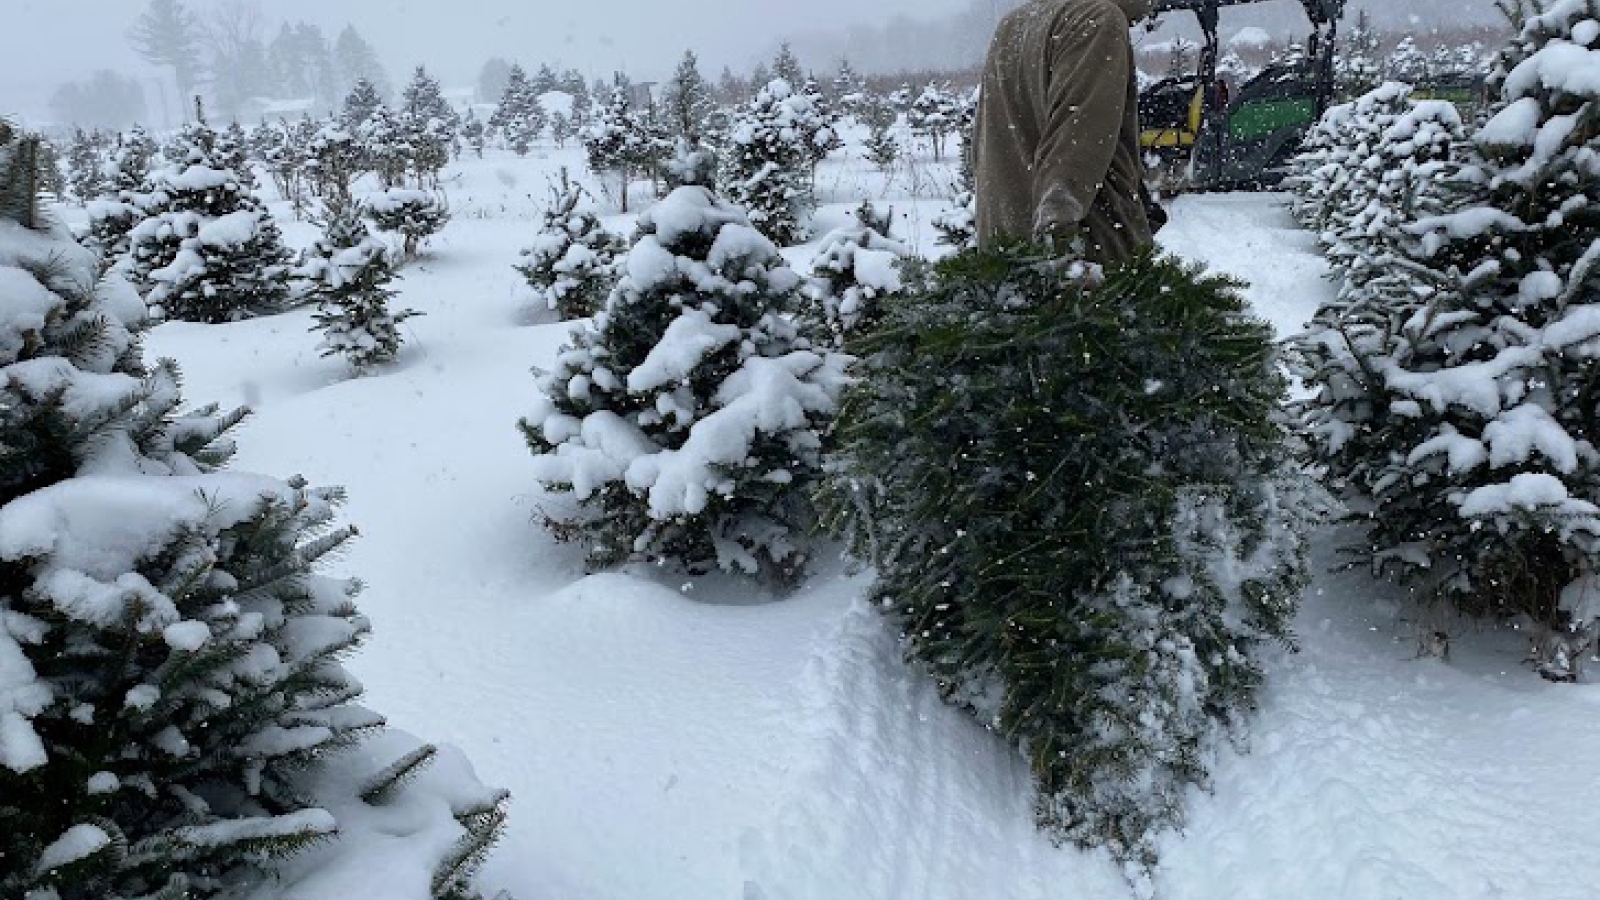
x=69, y=39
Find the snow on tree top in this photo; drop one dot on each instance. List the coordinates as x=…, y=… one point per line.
x=396, y=199
x=691, y=209
x=103, y=526
x=232, y=230
x=195, y=178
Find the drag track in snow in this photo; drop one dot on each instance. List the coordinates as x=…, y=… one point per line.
x=667, y=741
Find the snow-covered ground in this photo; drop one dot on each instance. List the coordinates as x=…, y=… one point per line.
x=671, y=741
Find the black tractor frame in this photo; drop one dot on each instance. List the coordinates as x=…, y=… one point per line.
x=1243, y=138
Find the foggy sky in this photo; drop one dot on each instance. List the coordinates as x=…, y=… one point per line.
x=68, y=39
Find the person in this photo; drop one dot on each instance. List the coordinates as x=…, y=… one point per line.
x=1057, y=136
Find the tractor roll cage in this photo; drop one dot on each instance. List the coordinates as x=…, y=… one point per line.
x=1324, y=16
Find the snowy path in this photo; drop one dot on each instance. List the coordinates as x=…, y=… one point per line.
x=663, y=747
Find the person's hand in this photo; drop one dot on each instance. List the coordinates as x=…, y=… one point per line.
x=1063, y=238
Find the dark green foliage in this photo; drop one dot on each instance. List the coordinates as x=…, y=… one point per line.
x=484, y=823
x=1051, y=476
x=387, y=784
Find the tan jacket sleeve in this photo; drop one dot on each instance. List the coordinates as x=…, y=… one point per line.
x=1087, y=97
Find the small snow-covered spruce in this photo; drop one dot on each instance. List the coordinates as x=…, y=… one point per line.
x=882, y=146
x=1356, y=67
x=1353, y=434
x=233, y=149
x=687, y=100
x=520, y=117
x=351, y=273
x=688, y=419
x=206, y=249
x=174, y=717
x=85, y=168
x=935, y=114
x=474, y=132
x=821, y=128
x=113, y=214
x=1087, y=562
x=572, y=265
x=958, y=225
x=856, y=270
x=1477, y=455
x=1408, y=64
x=767, y=160
x=1404, y=179
x=1335, y=175
x=362, y=102
x=430, y=125
x=415, y=216
x=622, y=143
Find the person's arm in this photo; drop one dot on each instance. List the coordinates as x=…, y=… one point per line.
x=1087, y=99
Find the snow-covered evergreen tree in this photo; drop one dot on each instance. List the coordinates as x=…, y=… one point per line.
x=562, y=128
x=85, y=168
x=206, y=249
x=175, y=720
x=520, y=117
x=113, y=214
x=1357, y=66
x=474, y=132
x=381, y=145
x=1408, y=64
x=52, y=174
x=882, y=145
x=849, y=90
x=1398, y=187
x=687, y=101
x=333, y=157
x=233, y=149
x=573, y=263
x=351, y=274
x=1466, y=428
x=855, y=271
x=688, y=419
x=767, y=161
x=622, y=142
x=786, y=67
x=431, y=127
x=363, y=101
x=821, y=127
x=1333, y=176
x=415, y=216
x=1085, y=560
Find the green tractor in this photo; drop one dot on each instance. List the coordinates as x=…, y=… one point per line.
x=1211, y=138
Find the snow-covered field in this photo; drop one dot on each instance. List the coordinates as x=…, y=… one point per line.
x=672, y=741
